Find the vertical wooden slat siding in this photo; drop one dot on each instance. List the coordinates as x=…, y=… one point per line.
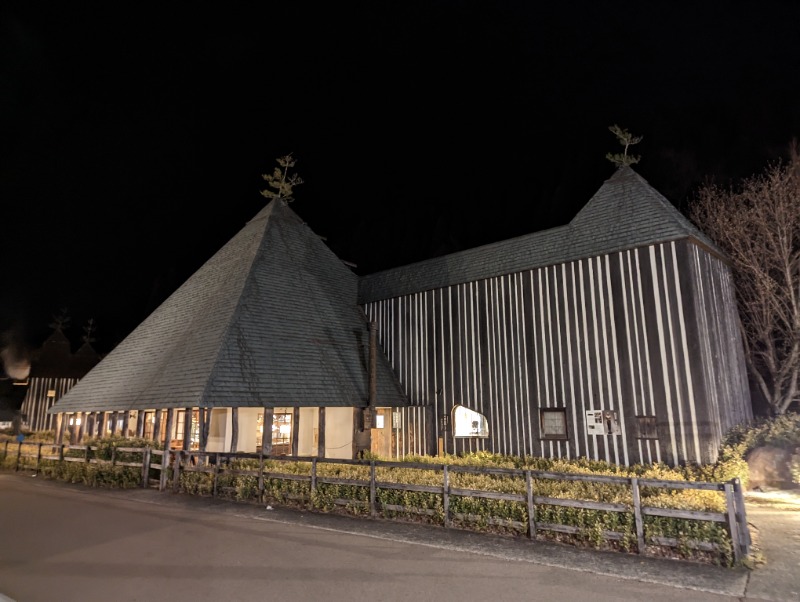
x=477, y=354
x=636, y=392
x=723, y=374
x=494, y=389
x=441, y=379
x=458, y=361
x=519, y=382
x=528, y=449
x=522, y=435
x=742, y=410
x=578, y=338
x=619, y=395
x=687, y=365
x=36, y=403
x=714, y=367
x=507, y=356
x=671, y=336
x=562, y=395
x=491, y=416
x=641, y=363
x=594, y=283
x=645, y=339
x=607, y=394
x=570, y=400
x=735, y=413
x=647, y=331
x=430, y=390
x=508, y=362
x=542, y=396
x=474, y=399
x=547, y=344
x=663, y=355
x=587, y=382
x=468, y=397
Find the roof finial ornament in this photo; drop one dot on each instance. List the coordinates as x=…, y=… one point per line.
x=626, y=139
x=89, y=331
x=281, y=181
x=61, y=320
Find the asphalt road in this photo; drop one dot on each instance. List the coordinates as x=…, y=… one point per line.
x=64, y=542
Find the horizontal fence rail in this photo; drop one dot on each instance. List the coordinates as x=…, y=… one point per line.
x=170, y=465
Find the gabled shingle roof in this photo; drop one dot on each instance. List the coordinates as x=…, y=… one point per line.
x=625, y=213
x=270, y=320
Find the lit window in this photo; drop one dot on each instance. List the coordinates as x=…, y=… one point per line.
x=467, y=423
x=553, y=423
x=149, y=424
x=282, y=432
x=647, y=427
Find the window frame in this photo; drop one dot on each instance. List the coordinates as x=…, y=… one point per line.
x=646, y=436
x=553, y=437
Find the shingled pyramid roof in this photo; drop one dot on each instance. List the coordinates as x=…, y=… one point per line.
x=270, y=320
x=625, y=213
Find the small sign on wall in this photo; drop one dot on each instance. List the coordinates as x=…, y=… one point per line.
x=602, y=422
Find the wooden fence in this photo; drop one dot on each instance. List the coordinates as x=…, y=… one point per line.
x=174, y=462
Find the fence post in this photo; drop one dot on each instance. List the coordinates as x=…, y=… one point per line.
x=145, y=467
x=5, y=450
x=39, y=457
x=261, y=476
x=373, y=490
x=216, y=473
x=531, y=506
x=733, y=525
x=637, y=515
x=19, y=453
x=162, y=479
x=176, y=471
x=61, y=452
x=446, y=495
x=741, y=516
x=313, y=482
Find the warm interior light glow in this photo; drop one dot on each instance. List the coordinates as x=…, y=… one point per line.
x=285, y=429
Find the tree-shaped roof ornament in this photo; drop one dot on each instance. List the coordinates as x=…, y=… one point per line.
x=626, y=139
x=88, y=331
x=61, y=320
x=280, y=181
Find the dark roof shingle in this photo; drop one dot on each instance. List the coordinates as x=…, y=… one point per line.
x=626, y=212
x=270, y=320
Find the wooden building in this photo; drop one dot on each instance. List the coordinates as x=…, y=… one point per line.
x=614, y=337
x=55, y=369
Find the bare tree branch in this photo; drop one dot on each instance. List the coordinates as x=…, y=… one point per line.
x=757, y=224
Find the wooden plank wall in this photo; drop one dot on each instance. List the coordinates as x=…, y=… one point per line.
x=36, y=403
x=650, y=331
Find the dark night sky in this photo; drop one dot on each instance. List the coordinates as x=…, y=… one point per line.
x=133, y=143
